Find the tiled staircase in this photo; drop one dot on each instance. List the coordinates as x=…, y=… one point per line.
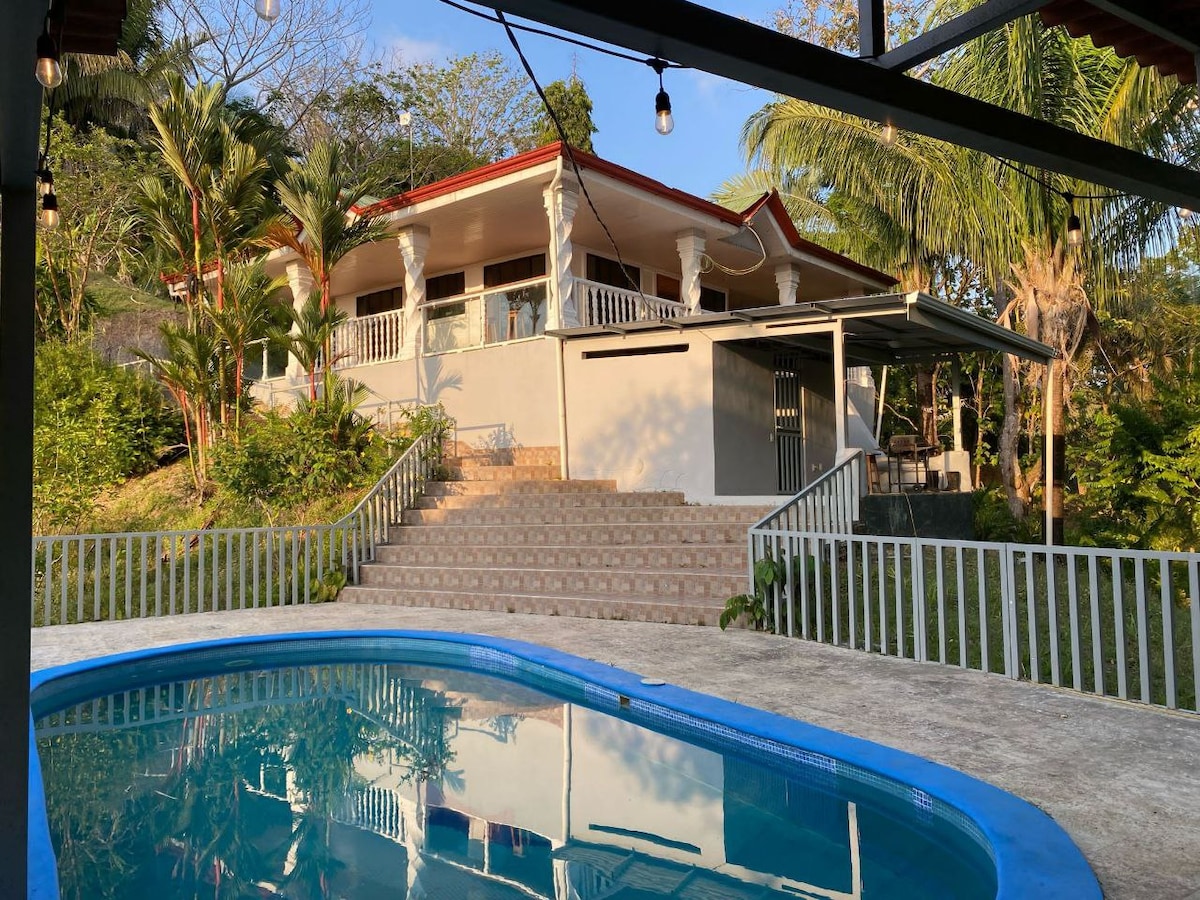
x=507, y=534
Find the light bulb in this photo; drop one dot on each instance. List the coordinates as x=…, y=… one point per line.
x=1074, y=231
x=664, y=122
x=267, y=10
x=1184, y=213
x=889, y=134
x=45, y=182
x=48, y=71
x=50, y=210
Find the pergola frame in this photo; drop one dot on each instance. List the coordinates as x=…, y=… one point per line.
x=696, y=36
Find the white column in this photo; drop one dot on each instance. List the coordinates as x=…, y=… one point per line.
x=691, y=245
x=956, y=402
x=413, y=241
x=561, y=200
x=787, y=276
x=839, y=385
x=302, y=284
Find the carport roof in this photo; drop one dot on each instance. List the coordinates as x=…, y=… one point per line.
x=879, y=329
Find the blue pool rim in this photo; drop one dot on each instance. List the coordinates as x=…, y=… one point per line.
x=1033, y=856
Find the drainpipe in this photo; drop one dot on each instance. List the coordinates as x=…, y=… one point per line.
x=563, y=449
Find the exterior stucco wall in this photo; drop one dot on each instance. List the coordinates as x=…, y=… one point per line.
x=645, y=420
x=744, y=421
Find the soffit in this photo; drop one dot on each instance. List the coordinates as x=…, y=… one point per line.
x=90, y=26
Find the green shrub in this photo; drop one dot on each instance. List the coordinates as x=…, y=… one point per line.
x=94, y=426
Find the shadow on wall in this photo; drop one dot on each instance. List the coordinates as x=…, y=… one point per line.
x=437, y=380
x=651, y=442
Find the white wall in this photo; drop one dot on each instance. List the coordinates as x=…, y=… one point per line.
x=644, y=420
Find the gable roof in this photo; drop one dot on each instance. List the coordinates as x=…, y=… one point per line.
x=558, y=150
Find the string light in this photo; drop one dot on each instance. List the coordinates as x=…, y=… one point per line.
x=50, y=210
x=267, y=10
x=889, y=134
x=45, y=178
x=664, y=121
x=1074, y=226
x=48, y=71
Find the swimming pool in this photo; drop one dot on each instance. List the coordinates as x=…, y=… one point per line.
x=464, y=766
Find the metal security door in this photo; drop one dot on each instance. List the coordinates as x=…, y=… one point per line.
x=789, y=423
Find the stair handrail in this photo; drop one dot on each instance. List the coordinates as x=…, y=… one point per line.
x=829, y=505
x=396, y=491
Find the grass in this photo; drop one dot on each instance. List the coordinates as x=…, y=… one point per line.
x=860, y=593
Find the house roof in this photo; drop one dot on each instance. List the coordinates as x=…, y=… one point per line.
x=551, y=152
x=1169, y=49
x=88, y=26
x=880, y=329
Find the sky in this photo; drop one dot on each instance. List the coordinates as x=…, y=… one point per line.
x=697, y=156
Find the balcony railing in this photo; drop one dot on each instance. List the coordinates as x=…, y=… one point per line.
x=507, y=313
x=603, y=304
x=367, y=340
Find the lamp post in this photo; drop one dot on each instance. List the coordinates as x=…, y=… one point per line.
x=406, y=121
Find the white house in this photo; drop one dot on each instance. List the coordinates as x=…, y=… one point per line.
x=667, y=342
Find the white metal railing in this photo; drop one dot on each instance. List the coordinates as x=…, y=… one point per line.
x=87, y=577
x=366, y=340
x=603, y=304
x=1119, y=623
x=829, y=504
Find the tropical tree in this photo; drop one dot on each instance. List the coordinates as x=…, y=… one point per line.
x=918, y=204
x=571, y=104
x=317, y=220
x=307, y=340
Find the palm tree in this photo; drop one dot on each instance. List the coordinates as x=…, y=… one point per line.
x=190, y=137
x=318, y=221
x=313, y=326
x=919, y=204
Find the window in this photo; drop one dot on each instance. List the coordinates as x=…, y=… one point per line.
x=514, y=270
x=666, y=287
x=712, y=299
x=449, y=285
x=379, y=301
x=608, y=271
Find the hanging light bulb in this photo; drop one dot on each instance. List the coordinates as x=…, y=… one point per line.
x=50, y=210
x=45, y=181
x=889, y=134
x=664, y=121
x=49, y=72
x=1074, y=230
x=267, y=10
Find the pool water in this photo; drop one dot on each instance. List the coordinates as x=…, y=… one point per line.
x=367, y=780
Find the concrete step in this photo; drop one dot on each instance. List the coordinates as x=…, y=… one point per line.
x=632, y=608
x=583, y=515
x=513, y=500
x=503, y=473
x=625, y=533
x=676, y=584
x=464, y=454
x=727, y=557
x=534, y=486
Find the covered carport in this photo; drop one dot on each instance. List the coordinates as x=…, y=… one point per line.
x=756, y=402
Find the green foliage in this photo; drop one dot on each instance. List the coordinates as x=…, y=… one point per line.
x=994, y=521
x=768, y=573
x=94, y=426
x=570, y=101
x=326, y=588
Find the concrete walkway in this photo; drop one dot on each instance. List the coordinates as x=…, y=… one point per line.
x=1124, y=781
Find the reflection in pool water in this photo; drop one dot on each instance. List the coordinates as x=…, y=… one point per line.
x=372, y=781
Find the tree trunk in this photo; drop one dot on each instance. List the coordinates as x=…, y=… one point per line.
x=925, y=397
x=1058, y=408
x=1015, y=487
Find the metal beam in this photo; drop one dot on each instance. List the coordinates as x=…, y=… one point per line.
x=872, y=29
x=988, y=16
x=1154, y=17
x=702, y=38
x=20, y=105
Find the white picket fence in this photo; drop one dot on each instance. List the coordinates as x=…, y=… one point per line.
x=1119, y=623
x=87, y=577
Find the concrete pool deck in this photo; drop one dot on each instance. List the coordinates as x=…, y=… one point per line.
x=1120, y=778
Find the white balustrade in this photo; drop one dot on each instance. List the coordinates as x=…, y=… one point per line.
x=603, y=304
x=366, y=340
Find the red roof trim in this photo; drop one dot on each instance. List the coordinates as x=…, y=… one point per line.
x=523, y=161
x=774, y=205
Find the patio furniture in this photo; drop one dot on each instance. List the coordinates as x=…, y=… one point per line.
x=907, y=454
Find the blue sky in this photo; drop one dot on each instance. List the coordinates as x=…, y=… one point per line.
x=709, y=111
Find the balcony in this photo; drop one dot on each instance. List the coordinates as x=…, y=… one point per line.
x=509, y=313
x=603, y=304
x=367, y=340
